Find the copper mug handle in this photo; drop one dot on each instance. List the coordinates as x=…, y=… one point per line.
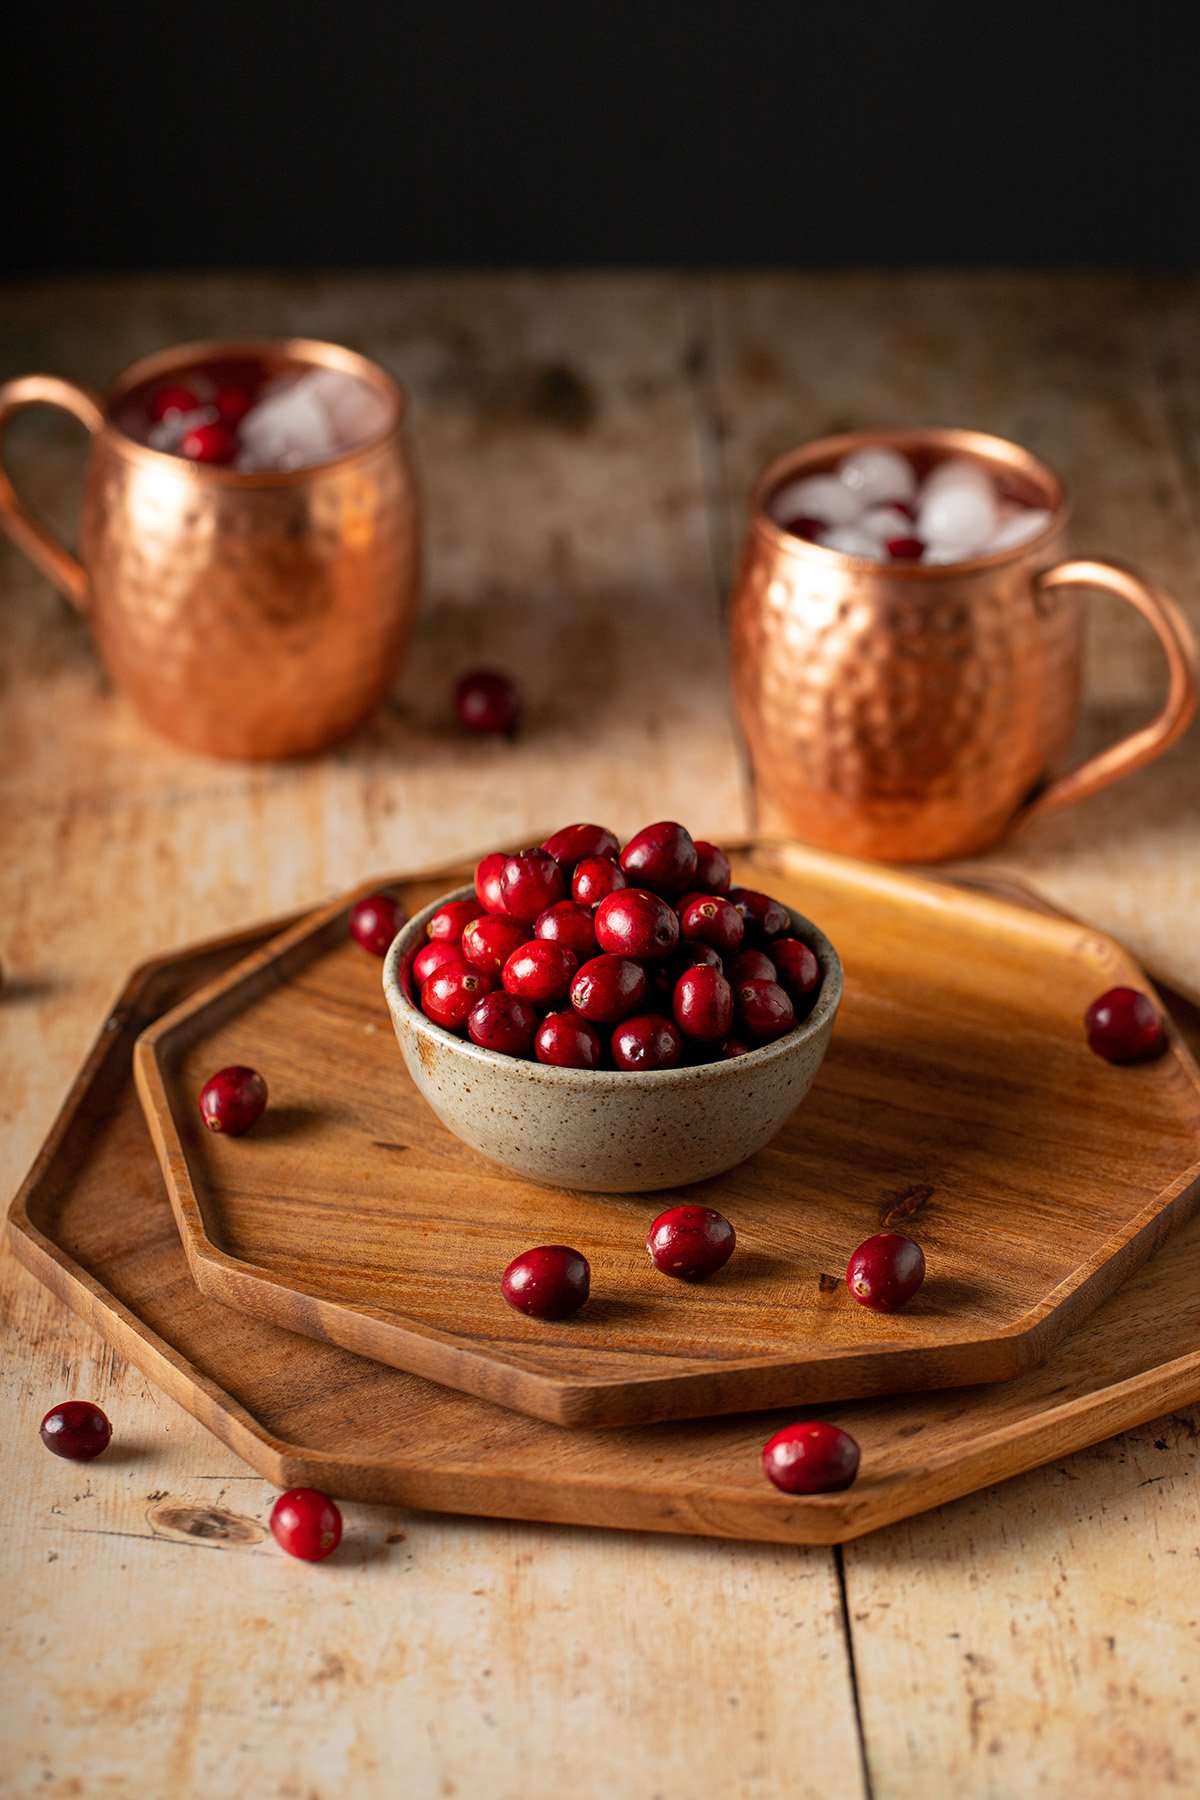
x=27, y=533
x=1140, y=747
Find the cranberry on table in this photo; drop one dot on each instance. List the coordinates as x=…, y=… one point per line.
x=763, y=917
x=703, y=1005
x=233, y=1099
x=531, y=882
x=636, y=923
x=885, y=1272
x=1124, y=1026
x=551, y=1282
x=76, y=1429
x=581, y=843
x=489, y=941
x=505, y=1023
x=487, y=702
x=208, y=444
x=232, y=403
x=375, y=921
x=713, y=874
x=751, y=965
x=797, y=971
x=609, y=988
x=432, y=957
x=452, y=993
x=646, y=1042
x=541, y=972
x=595, y=878
x=710, y=920
x=764, y=1011
x=811, y=1458
x=307, y=1524
x=568, y=923
x=690, y=1242
x=566, y=1041
x=171, y=403
x=662, y=858
x=489, y=873
x=451, y=920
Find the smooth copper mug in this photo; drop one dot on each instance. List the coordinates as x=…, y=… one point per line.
x=248, y=615
x=915, y=713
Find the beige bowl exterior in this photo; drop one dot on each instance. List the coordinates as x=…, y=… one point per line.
x=608, y=1131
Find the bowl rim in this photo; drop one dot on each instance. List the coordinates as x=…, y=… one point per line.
x=405, y=1011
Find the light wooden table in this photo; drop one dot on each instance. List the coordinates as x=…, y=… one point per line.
x=586, y=443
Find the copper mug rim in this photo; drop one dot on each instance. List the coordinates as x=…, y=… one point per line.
x=1003, y=456
x=278, y=351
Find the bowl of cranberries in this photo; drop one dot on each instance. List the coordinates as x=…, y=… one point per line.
x=614, y=1019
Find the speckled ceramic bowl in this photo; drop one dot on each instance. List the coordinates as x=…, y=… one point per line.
x=608, y=1131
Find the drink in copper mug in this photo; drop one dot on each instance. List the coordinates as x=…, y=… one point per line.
x=249, y=602
x=911, y=711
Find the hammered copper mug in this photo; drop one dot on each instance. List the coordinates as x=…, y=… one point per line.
x=243, y=614
x=914, y=713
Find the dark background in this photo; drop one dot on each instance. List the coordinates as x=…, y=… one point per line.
x=596, y=131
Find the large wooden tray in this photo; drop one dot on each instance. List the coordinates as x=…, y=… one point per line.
x=92, y=1221
x=959, y=1098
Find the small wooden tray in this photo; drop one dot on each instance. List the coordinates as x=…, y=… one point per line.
x=959, y=1098
x=92, y=1221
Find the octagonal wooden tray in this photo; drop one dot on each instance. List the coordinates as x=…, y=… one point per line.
x=93, y=1222
x=959, y=1098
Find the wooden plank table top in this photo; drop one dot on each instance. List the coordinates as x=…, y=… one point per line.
x=585, y=445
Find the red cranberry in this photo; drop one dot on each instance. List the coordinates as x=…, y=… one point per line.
x=77, y=1430
x=551, y=1282
x=569, y=924
x=646, y=1042
x=608, y=989
x=905, y=549
x=503, y=1022
x=662, y=858
x=812, y=1458
x=805, y=526
x=489, y=874
x=307, y=1524
x=566, y=1041
x=690, y=1242
x=799, y=972
x=452, y=993
x=1123, y=1026
x=713, y=873
x=233, y=1100
x=764, y=1011
x=450, y=921
x=703, y=1005
x=581, y=843
x=233, y=403
x=764, y=918
x=208, y=444
x=751, y=965
x=487, y=703
x=488, y=942
x=711, y=920
x=595, y=878
x=375, y=921
x=432, y=957
x=541, y=972
x=531, y=882
x=636, y=923
x=734, y=1047
x=886, y=1271
x=171, y=403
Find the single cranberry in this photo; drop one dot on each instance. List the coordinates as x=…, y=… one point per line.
x=609, y=988
x=812, y=1458
x=734, y=1047
x=489, y=941
x=208, y=444
x=581, y=843
x=566, y=1041
x=662, y=858
x=375, y=921
x=450, y=921
x=432, y=957
x=569, y=924
x=307, y=1524
x=805, y=526
x=76, y=1429
x=751, y=965
x=763, y=917
x=703, y=1005
x=171, y=403
x=646, y=1042
x=531, y=882
x=595, y=878
x=503, y=1022
x=487, y=703
x=233, y=1100
x=886, y=1271
x=551, y=1282
x=452, y=993
x=489, y=874
x=798, y=972
x=690, y=1242
x=541, y=972
x=1123, y=1026
x=233, y=403
x=713, y=874
x=636, y=923
x=905, y=549
x=711, y=920
x=764, y=1011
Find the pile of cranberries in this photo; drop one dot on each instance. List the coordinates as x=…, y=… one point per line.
x=586, y=956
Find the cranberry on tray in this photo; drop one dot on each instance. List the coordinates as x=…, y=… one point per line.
x=886, y=1271
x=810, y=1458
x=1123, y=1026
x=233, y=1100
x=551, y=1282
x=690, y=1242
